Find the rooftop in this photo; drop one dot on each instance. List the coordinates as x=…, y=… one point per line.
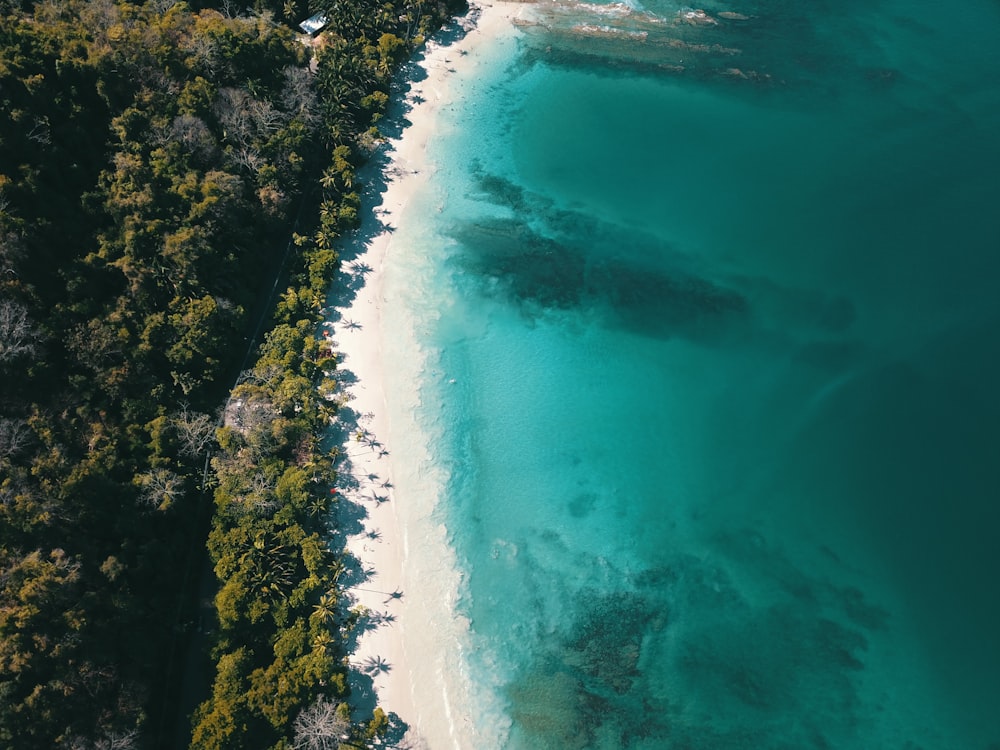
x=314, y=24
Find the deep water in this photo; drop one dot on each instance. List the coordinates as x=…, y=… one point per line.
x=714, y=310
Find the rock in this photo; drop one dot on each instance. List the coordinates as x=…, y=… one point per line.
x=696, y=17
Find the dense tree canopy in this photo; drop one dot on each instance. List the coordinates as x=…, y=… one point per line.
x=154, y=159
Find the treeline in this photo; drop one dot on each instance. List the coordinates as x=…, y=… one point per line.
x=280, y=661
x=153, y=159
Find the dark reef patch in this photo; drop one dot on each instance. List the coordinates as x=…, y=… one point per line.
x=764, y=654
x=543, y=257
x=537, y=272
x=584, y=689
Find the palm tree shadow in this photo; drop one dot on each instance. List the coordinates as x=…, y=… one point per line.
x=376, y=665
x=373, y=176
x=349, y=514
x=354, y=573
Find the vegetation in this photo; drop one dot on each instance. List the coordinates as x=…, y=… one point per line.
x=153, y=160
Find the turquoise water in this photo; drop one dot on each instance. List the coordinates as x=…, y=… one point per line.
x=714, y=314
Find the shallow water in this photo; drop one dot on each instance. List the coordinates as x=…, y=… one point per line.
x=707, y=327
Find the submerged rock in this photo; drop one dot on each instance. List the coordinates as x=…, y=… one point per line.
x=696, y=17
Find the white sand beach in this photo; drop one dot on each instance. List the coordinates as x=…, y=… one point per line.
x=397, y=647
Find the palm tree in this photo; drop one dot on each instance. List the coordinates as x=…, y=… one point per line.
x=270, y=567
x=326, y=608
x=328, y=179
x=325, y=238
x=324, y=642
x=328, y=212
x=317, y=506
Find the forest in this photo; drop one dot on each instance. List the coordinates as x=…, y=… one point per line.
x=161, y=166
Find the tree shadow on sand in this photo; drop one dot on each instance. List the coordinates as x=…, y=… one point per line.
x=354, y=572
x=375, y=665
x=354, y=490
x=347, y=519
x=374, y=176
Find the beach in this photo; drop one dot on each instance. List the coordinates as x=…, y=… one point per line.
x=671, y=419
x=398, y=653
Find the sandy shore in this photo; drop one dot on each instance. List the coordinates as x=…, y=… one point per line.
x=391, y=648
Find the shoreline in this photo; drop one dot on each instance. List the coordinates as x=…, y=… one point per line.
x=392, y=637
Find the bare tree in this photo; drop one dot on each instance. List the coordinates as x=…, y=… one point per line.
x=230, y=9
x=261, y=493
x=41, y=133
x=17, y=335
x=232, y=107
x=254, y=412
x=205, y=54
x=115, y=741
x=246, y=119
x=249, y=159
x=160, y=488
x=195, y=430
x=119, y=741
x=320, y=727
x=14, y=435
x=298, y=95
x=193, y=134
x=268, y=375
x=162, y=6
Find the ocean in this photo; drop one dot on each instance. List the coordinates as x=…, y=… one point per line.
x=696, y=327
